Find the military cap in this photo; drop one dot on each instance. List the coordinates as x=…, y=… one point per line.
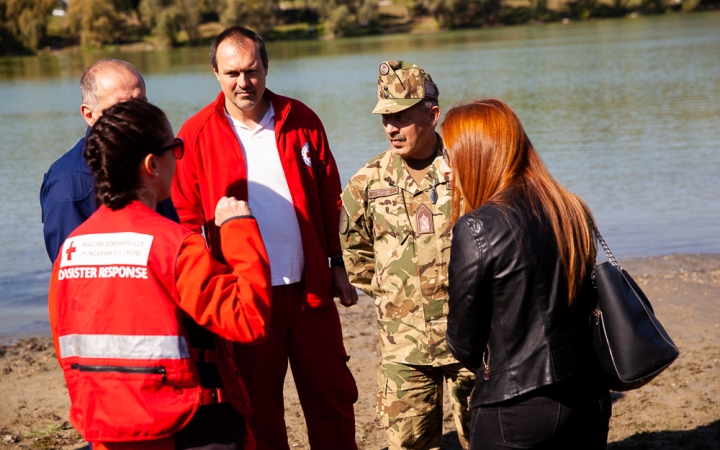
x=401, y=85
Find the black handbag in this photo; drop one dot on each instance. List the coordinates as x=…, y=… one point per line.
x=631, y=346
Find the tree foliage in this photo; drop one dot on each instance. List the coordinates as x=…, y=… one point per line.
x=368, y=12
x=341, y=16
x=169, y=18
x=25, y=21
x=462, y=13
x=95, y=21
x=258, y=15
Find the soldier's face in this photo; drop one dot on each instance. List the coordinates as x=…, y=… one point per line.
x=241, y=74
x=411, y=132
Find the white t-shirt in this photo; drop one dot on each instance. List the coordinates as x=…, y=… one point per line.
x=270, y=200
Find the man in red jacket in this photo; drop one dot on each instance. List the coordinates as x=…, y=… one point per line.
x=273, y=152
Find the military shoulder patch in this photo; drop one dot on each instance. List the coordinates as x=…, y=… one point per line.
x=344, y=221
x=377, y=193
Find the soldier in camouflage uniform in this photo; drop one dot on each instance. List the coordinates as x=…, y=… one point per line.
x=395, y=232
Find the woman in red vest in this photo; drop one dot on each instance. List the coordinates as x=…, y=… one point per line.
x=140, y=311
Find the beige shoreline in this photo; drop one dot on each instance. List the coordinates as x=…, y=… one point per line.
x=679, y=409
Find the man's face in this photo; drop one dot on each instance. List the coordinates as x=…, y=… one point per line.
x=241, y=74
x=412, y=130
x=113, y=86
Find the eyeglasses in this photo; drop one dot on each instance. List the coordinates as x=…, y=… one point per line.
x=178, y=148
x=446, y=156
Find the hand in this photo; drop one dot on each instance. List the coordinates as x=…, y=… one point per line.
x=230, y=207
x=342, y=288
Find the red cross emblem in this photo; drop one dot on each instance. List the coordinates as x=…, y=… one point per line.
x=70, y=250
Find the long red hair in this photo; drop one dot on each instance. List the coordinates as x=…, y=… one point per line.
x=490, y=152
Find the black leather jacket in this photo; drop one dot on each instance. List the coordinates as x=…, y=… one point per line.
x=509, y=320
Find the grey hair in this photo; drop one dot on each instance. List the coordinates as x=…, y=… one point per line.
x=88, y=80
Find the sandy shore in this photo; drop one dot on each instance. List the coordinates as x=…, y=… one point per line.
x=679, y=409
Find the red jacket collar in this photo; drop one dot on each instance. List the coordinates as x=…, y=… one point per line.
x=135, y=205
x=280, y=104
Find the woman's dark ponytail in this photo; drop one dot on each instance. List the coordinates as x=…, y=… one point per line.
x=118, y=142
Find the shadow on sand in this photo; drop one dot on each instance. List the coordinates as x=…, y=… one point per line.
x=705, y=437
x=450, y=442
x=700, y=438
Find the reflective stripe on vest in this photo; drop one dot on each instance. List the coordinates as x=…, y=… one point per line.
x=123, y=347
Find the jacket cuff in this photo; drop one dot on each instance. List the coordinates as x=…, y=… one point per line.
x=246, y=216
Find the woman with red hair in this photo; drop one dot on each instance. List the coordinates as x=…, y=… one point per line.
x=520, y=288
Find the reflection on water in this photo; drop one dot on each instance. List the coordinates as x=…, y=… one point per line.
x=625, y=112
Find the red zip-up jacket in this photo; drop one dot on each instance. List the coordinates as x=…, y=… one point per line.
x=214, y=167
x=115, y=317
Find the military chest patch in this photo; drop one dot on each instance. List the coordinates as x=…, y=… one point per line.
x=424, y=219
x=377, y=193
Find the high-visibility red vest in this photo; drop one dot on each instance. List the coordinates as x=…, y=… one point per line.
x=122, y=346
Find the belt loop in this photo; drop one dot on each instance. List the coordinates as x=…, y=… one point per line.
x=203, y=355
x=212, y=396
x=222, y=397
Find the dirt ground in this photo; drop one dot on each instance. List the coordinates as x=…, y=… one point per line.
x=679, y=410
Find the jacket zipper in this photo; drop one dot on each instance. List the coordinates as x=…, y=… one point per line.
x=598, y=316
x=159, y=370
x=486, y=364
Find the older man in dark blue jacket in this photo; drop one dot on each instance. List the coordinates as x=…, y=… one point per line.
x=67, y=194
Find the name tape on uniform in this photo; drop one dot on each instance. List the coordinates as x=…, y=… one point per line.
x=106, y=249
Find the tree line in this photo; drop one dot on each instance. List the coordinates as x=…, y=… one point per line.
x=94, y=23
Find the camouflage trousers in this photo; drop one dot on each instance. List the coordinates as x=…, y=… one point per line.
x=410, y=403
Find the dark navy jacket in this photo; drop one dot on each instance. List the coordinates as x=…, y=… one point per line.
x=67, y=198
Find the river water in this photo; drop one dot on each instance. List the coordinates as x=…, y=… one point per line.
x=625, y=113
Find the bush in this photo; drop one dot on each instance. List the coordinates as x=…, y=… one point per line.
x=709, y=5
x=338, y=20
x=24, y=21
x=168, y=19
x=259, y=15
x=514, y=16
x=96, y=21
x=368, y=12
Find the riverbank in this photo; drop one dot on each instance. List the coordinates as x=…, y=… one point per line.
x=298, y=22
x=679, y=409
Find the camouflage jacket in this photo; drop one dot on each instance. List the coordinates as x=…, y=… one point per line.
x=396, y=247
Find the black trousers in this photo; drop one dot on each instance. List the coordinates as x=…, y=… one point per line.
x=213, y=427
x=564, y=415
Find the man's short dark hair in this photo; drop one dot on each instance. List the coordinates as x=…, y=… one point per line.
x=429, y=103
x=237, y=34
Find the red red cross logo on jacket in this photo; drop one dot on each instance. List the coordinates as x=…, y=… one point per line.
x=70, y=250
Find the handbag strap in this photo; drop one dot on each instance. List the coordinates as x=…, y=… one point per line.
x=605, y=247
